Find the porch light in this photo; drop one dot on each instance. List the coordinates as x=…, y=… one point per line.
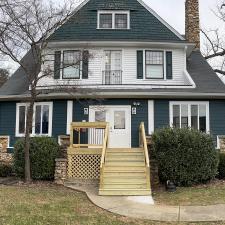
x=136, y=103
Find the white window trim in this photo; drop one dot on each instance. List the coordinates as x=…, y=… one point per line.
x=62, y=65
x=113, y=12
x=151, y=111
x=69, y=116
x=50, y=104
x=189, y=103
x=164, y=63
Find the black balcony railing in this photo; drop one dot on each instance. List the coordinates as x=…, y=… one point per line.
x=112, y=77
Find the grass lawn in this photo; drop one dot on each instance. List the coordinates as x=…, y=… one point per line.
x=55, y=205
x=213, y=193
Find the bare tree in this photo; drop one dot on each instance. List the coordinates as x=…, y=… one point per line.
x=25, y=25
x=4, y=76
x=214, y=42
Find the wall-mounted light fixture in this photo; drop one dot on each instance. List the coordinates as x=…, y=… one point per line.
x=136, y=103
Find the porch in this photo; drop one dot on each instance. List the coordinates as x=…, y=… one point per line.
x=118, y=171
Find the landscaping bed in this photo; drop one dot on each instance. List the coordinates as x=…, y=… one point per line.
x=208, y=194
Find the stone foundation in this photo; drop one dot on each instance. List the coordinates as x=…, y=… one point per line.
x=64, y=142
x=60, y=171
x=5, y=157
x=222, y=143
x=154, y=173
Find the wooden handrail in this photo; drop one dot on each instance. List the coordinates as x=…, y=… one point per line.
x=144, y=142
x=78, y=126
x=104, y=145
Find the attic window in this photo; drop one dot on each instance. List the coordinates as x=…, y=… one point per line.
x=113, y=19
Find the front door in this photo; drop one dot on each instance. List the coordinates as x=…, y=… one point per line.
x=119, y=119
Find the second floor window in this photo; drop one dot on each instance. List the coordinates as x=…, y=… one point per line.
x=113, y=67
x=71, y=64
x=154, y=64
x=113, y=19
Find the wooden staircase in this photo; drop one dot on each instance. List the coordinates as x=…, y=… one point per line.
x=126, y=171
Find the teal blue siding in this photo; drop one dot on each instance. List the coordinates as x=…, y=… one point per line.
x=141, y=116
x=161, y=114
x=8, y=120
x=217, y=117
x=59, y=121
x=143, y=25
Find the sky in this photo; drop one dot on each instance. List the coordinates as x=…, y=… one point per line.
x=173, y=12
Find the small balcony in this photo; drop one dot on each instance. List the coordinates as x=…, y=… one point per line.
x=112, y=77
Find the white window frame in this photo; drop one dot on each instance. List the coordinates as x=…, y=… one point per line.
x=50, y=104
x=190, y=103
x=113, y=13
x=163, y=65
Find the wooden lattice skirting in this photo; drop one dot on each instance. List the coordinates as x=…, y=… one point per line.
x=84, y=166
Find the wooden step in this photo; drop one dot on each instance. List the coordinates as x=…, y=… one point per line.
x=124, y=175
x=125, y=164
x=120, y=150
x=124, y=186
x=128, y=169
x=128, y=158
x=125, y=180
x=124, y=192
x=110, y=154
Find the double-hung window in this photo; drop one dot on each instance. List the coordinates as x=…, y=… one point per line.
x=190, y=114
x=42, y=119
x=154, y=64
x=71, y=64
x=113, y=19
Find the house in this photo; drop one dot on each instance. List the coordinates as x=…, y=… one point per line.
x=142, y=75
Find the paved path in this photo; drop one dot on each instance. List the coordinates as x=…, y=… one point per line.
x=135, y=208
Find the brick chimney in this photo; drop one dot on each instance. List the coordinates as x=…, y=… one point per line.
x=192, y=22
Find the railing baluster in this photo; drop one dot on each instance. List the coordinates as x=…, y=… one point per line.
x=112, y=77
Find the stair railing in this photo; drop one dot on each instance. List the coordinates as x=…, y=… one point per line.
x=143, y=144
x=104, y=147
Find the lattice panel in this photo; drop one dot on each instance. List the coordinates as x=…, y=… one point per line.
x=84, y=166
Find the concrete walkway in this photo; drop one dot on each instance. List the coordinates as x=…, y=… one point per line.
x=135, y=207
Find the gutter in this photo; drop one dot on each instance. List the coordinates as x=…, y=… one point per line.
x=110, y=95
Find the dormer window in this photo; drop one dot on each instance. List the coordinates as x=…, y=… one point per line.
x=113, y=19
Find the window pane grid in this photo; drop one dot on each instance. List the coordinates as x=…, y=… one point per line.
x=154, y=64
x=105, y=20
x=190, y=115
x=40, y=124
x=71, y=64
x=121, y=21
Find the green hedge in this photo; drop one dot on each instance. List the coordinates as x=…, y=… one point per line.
x=43, y=152
x=185, y=156
x=5, y=170
x=221, y=169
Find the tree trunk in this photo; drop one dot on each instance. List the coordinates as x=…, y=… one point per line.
x=29, y=119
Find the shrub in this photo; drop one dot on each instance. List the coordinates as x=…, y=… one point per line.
x=5, y=170
x=185, y=156
x=43, y=152
x=221, y=168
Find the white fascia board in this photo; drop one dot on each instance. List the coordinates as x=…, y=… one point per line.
x=127, y=43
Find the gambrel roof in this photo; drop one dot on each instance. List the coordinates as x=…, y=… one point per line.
x=145, y=24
